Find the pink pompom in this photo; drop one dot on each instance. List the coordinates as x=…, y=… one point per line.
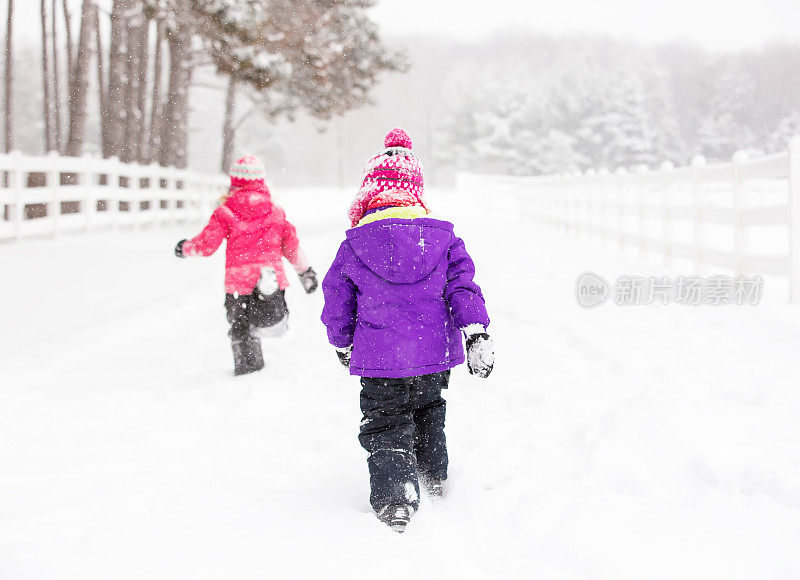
x=397, y=138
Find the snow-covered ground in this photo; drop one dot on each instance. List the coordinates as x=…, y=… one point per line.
x=620, y=442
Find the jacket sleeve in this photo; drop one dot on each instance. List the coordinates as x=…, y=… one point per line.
x=461, y=292
x=207, y=241
x=290, y=247
x=339, y=312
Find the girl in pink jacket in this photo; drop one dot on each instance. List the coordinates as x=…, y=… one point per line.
x=259, y=236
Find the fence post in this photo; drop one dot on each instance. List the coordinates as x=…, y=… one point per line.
x=528, y=205
x=114, y=197
x=666, y=215
x=590, y=203
x=739, y=233
x=85, y=179
x=152, y=196
x=605, y=205
x=621, y=194
x=794, y=218
x=641, y=190
x=134, y=196
x=53, y=177
x=162, y=214
x=17, y=190
x=569, y=205
x=188, y=209
x=698, y=234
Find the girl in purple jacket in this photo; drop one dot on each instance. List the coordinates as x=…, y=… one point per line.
x=398, y=297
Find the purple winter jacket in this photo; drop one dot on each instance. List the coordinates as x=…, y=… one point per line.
x=399, y=290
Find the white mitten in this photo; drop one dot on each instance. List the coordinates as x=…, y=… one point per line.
x=480, y=350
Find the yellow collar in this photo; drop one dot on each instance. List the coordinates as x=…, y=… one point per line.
x=408, y=213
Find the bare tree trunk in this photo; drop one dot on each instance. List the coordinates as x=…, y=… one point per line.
x=174, y=135
x=9, y=80
x=155, y=108
x=117, y=81
x=80, y=83
x=56, y=78
x=68, y=33
x=141, y=97
x=138, y=40
x=131, y=121
x=68, y=46
x=229, y=127
x=48, y=128
x=101, y=79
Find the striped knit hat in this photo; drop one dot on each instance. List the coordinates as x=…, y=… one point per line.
x=396, y=171
x=247, y=171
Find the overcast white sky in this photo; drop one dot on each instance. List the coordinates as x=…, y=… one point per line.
x=716, y=24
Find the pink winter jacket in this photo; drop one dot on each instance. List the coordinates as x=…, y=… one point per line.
x=258, y=235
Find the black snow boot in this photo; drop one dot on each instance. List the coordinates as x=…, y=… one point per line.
x=396, y=516
x=247, y=356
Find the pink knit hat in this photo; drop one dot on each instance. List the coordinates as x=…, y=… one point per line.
x=395, y=168
x=247, y=170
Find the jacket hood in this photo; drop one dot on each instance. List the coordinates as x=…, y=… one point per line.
x=250, y=202
x=401, y=251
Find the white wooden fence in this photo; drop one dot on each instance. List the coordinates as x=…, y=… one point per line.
x=50, y=195
x=742, y=216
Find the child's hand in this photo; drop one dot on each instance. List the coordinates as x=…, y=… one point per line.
x=344, y=355
x=309, y=280
x=480, y=353
x=179, y=249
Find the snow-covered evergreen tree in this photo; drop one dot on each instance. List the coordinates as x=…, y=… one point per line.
x=575, y=114
x=553, y=106
x=723, y=128
x=787, y=128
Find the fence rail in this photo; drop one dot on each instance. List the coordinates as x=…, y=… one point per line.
x=743, y=215
x=51, y=195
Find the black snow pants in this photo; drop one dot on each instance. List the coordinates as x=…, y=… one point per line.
x=244, y=313
x=247, y=311
x=403, y=431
